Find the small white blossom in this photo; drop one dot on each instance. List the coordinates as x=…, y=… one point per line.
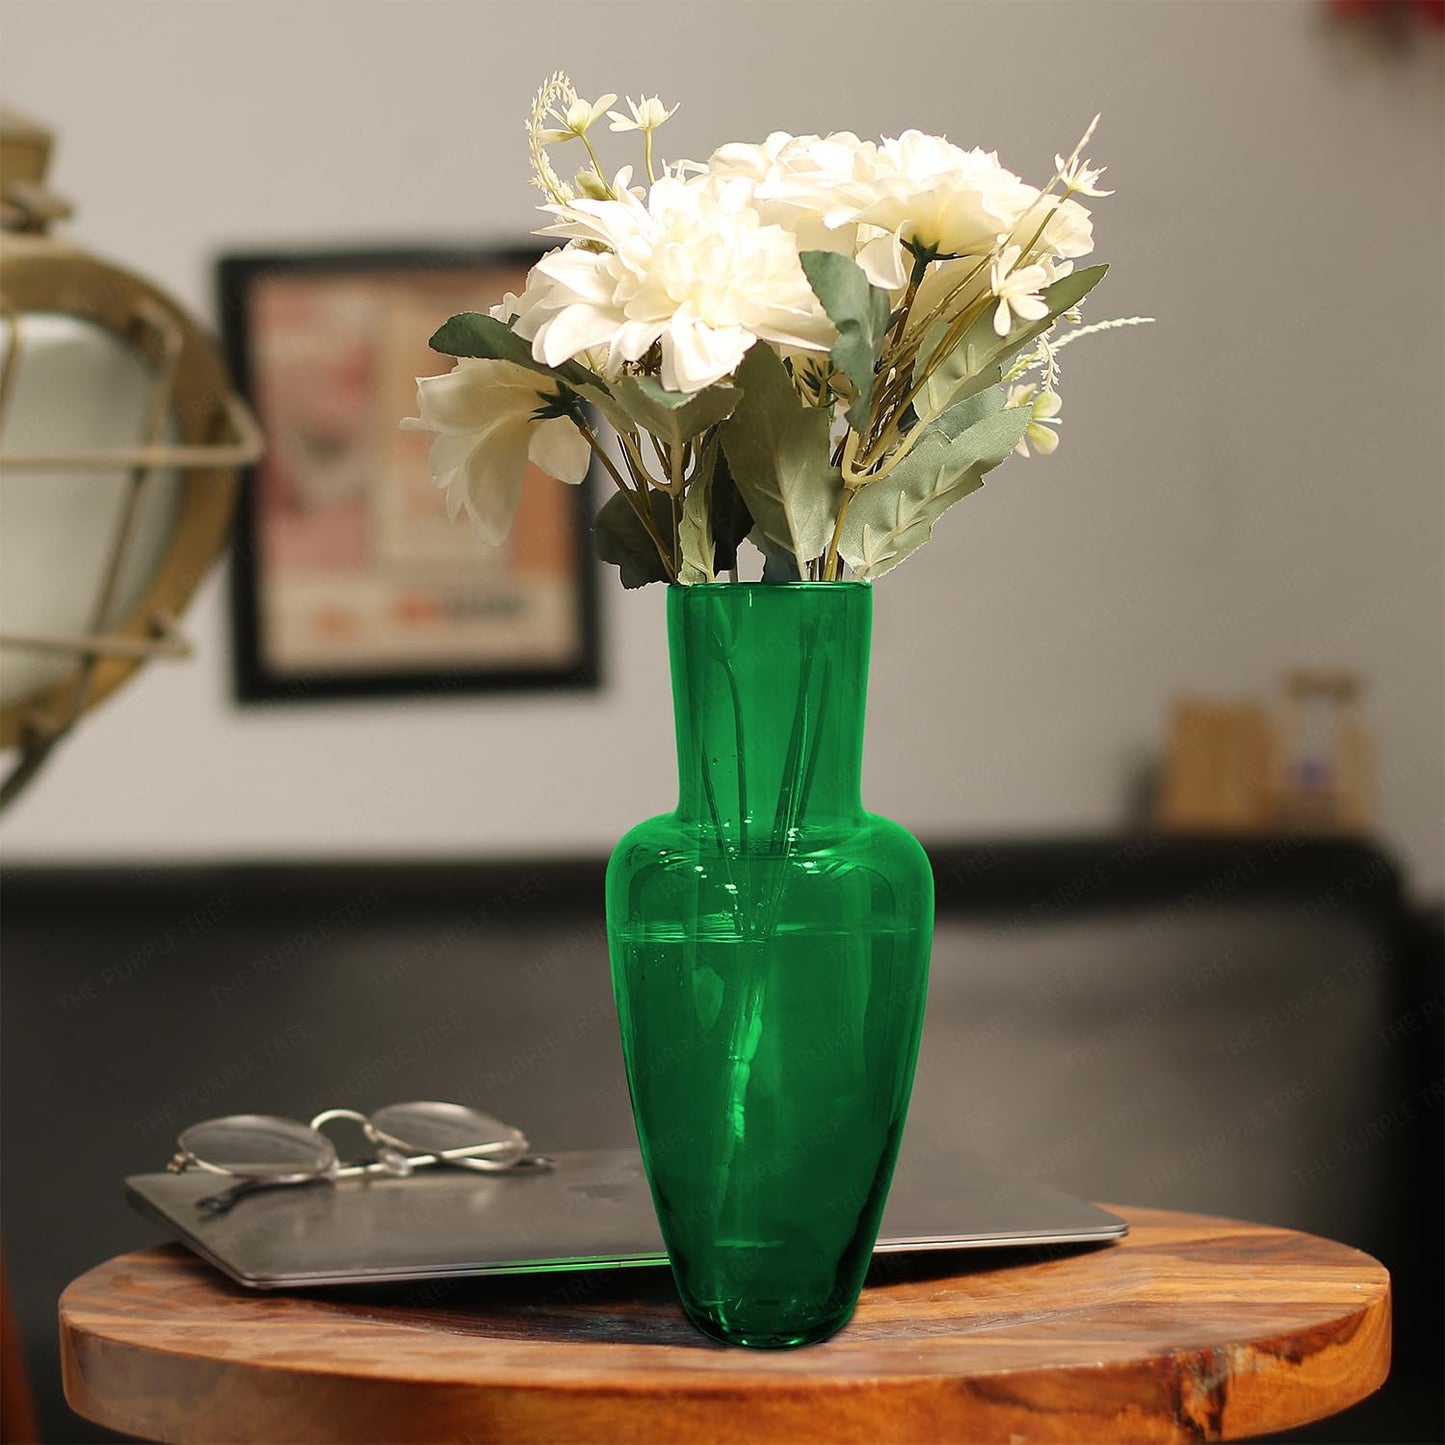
x=588, y=183
x=1040, y=431
x=575, y=117
x=1017, y=290
x=1079, y=178
x=485, y=416
x=647, y=114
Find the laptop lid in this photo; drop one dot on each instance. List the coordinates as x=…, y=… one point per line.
x=593, y=1210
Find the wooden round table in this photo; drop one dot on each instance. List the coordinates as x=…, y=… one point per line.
x=1190, y=1329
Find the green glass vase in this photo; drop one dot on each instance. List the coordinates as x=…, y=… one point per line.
x=769, y=944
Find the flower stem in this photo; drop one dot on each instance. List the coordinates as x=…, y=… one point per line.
x=907, y=350
x=915, y=280
x=950, y=338
x=597, y=166
x=637, y=499
x=635, y=461
x=830, y=561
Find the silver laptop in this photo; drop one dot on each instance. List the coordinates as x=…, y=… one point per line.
x=592, y=1211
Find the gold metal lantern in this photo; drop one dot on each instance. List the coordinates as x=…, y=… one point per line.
x=120, y=441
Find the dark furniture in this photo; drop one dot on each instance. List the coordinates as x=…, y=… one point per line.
x=1245, y=1028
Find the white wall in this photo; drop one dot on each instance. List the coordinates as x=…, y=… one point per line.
x=1254, y=483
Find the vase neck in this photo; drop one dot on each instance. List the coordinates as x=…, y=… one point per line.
x=769, y=688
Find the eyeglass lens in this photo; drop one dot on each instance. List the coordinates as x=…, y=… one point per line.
x=256, y=1146
x=447, y=1130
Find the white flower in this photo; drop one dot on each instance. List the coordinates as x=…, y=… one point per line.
x=1078, y=178
x=796, y=177
x=647, y=114
x=803, y=183
x=694, y=268
x=485, y=416
x=1017, y=290
x=537, y=295
x=542, y=295
x=511, y=304
x=1040, y=431
x=575, y=117
x=1068, y=229
x=925, y=190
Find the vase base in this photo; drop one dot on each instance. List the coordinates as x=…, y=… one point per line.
x=719, y=1326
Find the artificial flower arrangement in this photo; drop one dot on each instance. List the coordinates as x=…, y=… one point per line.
x=816, y=345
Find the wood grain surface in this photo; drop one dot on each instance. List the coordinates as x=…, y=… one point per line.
x=1190, y=1329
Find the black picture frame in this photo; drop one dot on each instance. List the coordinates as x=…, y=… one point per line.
x=255, y=676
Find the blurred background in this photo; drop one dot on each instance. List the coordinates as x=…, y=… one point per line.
x=1253, y=486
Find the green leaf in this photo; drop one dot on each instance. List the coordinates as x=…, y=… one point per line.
x=730, y=519
x=860, y=311
x=607, y=404
x=694, y=528
x=472, y=334
x=779, y=565
x=695, y=536
x=673, y=416
x=978, y=360
x=778, y=452
x=959, y=417
x=622, y=539
x=890, y=519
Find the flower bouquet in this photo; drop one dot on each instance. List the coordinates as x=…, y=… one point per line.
x=810, y=349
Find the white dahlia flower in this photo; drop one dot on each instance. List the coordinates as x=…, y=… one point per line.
x=928, y=191
x=806, y=184
x=692, y=267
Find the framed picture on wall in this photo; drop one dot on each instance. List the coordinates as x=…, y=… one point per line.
x=348, y=578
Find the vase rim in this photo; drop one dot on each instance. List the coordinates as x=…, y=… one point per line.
x=851, y=584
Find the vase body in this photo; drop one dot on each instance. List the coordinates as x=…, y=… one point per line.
x=769, y=944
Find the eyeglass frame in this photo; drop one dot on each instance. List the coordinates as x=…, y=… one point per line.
x=392, y=1156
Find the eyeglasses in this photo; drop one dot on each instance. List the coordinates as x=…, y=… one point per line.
x=261, y=1151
